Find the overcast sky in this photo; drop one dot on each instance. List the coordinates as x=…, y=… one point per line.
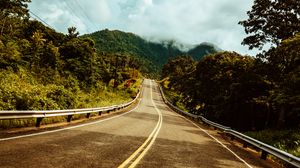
x=188, y=21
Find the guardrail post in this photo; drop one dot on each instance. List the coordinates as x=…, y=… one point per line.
x=264, y=155
x=88, y=115
x=99, y=113
x=38, y=121
x=69, y=118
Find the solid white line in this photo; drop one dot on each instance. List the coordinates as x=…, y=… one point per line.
x=71, y=127
x=237, y=156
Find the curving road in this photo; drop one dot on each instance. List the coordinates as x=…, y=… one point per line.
x=151, y=135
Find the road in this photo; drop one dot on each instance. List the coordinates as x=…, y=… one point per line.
x=151, y=135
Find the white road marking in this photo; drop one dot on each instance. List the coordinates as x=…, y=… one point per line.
x=71, y=127
x=214, y=138
x=237, y=156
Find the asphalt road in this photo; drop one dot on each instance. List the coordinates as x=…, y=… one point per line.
x=151, y=135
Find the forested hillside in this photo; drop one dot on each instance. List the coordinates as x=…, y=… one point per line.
x=259, y=93
x=42, y=69
x=242, y=91
x=150, y=55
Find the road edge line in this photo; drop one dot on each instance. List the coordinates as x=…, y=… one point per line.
x=71, y=127
x=214, y=138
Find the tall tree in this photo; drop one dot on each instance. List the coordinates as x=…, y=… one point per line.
x=271, y=21
x=9, y=11
x=178, y=70
x=14, y=8
x=79, y=55
x=73, y=33
x=227, y=86
x=284, y=70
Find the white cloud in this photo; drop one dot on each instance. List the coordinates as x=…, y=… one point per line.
x=190, y=21
x=98, y=11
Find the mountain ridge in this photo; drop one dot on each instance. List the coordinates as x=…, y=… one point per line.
x=152, y=55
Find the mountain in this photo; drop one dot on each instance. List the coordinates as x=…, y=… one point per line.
x=151, y=55
x=198, y=51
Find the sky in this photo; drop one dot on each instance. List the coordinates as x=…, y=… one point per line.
x=189, y=22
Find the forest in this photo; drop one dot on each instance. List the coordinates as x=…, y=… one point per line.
x=150, y=56
x=41, y=69
x=259, y=94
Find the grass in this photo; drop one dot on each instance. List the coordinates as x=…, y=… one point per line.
x=175, y=98
x=287, y=139
x=101, y=96
x=96, y=99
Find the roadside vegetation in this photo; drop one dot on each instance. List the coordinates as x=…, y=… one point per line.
x=257, y=95
x=41, y=69
x=285, y=139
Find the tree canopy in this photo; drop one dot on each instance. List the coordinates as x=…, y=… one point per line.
x=271, y=21
x=150, y=55
x=43, y=69
x=243, y=92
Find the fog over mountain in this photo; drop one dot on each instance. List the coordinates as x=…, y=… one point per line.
x=190, y=22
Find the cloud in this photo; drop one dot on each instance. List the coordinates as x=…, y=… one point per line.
x=86, y=15
x=191, y=21
x=98, y=11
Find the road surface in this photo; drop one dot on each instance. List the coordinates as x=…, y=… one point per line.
x=151, y=135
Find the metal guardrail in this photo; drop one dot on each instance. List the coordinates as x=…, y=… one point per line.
x=265, y=148
x=40, y=114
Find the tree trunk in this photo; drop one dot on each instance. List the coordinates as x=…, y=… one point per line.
x=281, y=118
x=268, y=115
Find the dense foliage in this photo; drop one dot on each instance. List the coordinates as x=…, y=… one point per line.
x=271, y=21
x=284, y=139
x=241, y=91
x=150, y=55
x=43, y=69
x=244, y=92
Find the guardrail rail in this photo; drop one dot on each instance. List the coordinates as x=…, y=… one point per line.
x=40, y=114
x=265, y=148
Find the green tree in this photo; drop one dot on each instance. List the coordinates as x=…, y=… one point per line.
x=79, y=56
x=72, y=33
x=14, y=8
x=271, y=21
x=10, y=55
x=180, y=73
x=227, y=87
x=10, y=10
x=283, y=70
x=179, y=70
x=33, y=26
